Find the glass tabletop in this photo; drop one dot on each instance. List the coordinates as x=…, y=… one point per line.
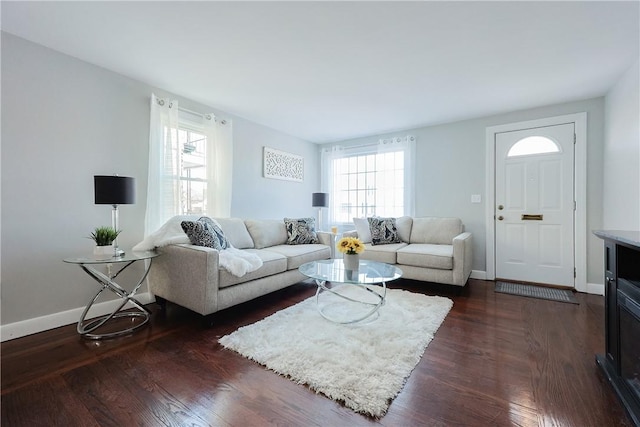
x=107, y=259
x=332, y=270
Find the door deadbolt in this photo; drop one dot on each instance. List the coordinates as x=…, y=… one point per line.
x=500, y=207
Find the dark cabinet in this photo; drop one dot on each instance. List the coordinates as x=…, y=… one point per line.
x=621, y=361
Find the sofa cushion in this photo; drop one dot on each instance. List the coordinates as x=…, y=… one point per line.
x=272, y=263
x=299, y=254
x=437, y=231
x=300, y=231
x=383, y=231
x=266, y=232
x=427, y=255
x=362, y=228
x=382, y=253
x=236, y=232
x=205, y=232
x=403, y=224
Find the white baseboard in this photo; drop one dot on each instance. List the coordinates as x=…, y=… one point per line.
x=55, y=320
x=478, y=274
x=595, y=288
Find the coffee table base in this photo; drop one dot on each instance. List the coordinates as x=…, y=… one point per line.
x=373, y=306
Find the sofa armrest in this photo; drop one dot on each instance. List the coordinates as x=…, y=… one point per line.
x=188, y=276
x=325, y=238
x=462, y=258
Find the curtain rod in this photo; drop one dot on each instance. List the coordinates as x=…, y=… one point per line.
x=204, y=116
x=207, y=116
x=408, y=138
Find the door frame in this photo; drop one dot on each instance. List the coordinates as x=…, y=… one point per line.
x=579, y=190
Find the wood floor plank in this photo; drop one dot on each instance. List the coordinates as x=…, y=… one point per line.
x=45, y=403
x=497, y=360
x=112, y=403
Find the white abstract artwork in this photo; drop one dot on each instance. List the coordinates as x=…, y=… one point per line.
x=281, y=165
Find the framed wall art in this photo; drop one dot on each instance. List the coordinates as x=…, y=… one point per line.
x=281, y=165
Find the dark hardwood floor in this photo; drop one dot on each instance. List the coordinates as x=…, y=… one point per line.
x=497, y=360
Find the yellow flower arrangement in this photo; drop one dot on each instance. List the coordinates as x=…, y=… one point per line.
x=350, y=245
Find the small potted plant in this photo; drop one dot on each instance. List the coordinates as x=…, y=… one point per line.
x=104, y=238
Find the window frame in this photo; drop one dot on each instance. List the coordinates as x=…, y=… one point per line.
x=182, y=183
x=385, y=147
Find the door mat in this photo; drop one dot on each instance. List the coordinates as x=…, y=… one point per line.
x=552, y=294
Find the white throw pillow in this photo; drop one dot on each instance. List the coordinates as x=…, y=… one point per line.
x=362, y=228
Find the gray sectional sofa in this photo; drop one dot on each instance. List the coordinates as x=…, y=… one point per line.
x=191, y=276
x=431, y=249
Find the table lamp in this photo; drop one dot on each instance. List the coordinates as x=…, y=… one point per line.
x=114, y=190
x=319, y=200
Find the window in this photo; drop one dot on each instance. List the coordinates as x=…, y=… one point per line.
x=370, y=180
x=533, y=145
x=190, y=170
x=190, y=164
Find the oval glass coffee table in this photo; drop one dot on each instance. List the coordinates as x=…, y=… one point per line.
x=350, y=296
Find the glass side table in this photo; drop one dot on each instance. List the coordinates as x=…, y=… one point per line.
x=86, y=328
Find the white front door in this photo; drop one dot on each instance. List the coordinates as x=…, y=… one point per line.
x=535, y=205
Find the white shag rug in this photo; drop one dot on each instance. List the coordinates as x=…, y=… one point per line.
x=364, y=365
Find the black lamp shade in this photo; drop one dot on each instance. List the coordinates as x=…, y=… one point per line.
x=114, y=190
x=320, y=200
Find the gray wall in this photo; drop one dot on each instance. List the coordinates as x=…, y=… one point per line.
x=63, y=121
x=450, y=167
x=621, y=207
x=257, y=197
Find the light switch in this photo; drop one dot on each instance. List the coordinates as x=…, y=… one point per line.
x=476, y=198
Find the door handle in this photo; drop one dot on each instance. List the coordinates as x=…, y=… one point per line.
x=500, y=218
x=528, y=217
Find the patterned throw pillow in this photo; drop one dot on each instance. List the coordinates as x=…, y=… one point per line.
x=205, y=232
x=301, y=231
x=383, y=231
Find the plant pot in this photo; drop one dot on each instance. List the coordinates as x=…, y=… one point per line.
x=103, y=250
x=351, y=261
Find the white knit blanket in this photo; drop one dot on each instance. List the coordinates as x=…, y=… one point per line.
x=235, y=261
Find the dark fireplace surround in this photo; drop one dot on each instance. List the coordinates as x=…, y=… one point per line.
x=621, y=361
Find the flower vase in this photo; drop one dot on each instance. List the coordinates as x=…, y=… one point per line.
x=351, y=261
x=103, y=250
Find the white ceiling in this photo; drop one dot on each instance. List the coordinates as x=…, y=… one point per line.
x=328, y=71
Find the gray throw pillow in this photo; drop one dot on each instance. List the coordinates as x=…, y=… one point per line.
x=301, y=231
x=383, y=231
x=205, y=232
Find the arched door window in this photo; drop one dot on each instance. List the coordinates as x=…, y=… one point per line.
x=533, y=145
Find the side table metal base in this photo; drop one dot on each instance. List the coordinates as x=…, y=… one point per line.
x=87, y=328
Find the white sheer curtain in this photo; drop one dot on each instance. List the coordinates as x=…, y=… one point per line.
x=328, y=184
x=164, y=185
x=407, y=145
x=219, y=135
x=162, y=191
